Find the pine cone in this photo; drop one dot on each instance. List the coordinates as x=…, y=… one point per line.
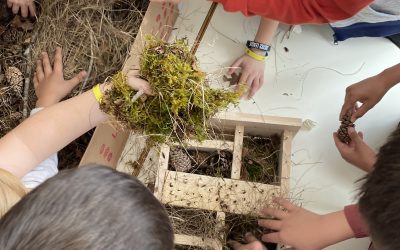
x=180, y=161
x=15, y=79
x=12, y=36
x=221, y=163
x=342, y=131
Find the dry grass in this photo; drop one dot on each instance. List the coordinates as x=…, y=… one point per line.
x=95, y=34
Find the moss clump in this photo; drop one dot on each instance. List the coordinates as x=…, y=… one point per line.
x=183, y=101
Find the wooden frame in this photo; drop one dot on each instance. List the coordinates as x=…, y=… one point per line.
x=230, y=195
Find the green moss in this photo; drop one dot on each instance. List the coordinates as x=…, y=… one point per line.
x=183, y=100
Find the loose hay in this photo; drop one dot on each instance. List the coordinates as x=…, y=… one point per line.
x=95, y=34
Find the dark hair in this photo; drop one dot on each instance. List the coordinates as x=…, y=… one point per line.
x=92, y=207
x=380, y=196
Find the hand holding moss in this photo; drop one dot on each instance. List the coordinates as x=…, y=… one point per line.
x=133, y=80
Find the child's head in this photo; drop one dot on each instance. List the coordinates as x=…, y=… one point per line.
x=91, y=207
x=11, y=191
x=380, y=196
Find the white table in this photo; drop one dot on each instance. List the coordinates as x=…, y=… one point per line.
x=308, y=82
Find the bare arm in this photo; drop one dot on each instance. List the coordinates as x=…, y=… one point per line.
x=369, y=92
x=47, y=132
x=298, y=227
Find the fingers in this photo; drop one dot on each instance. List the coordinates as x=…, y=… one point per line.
x=342, y=147
x=271, y=224
x=365, y=107
x=58, y=65
x=285, y=204
x=272, y=237
x=249, y=237
x=32, y=9
x=255, y=86
x=24, y=11
x=15, y=9
x=235, y=66
x=234, y=244
x=275, y=213
x=39, y=71
x=46, y=64
x=347, y=106
x=354, y=135
x=77, y=79
x=9, y=4
x=361, y=134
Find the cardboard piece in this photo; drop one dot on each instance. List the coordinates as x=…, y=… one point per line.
x=107, y=142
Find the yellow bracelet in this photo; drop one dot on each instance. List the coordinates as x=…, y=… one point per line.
x=255, y=56
x=97, y=93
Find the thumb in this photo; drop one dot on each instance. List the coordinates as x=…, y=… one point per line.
x=77, y=79
x=235, y=65
x=354, y=136
x=365, y=107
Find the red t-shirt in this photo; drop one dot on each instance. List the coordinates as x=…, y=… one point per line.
x=357, y=223
x=297, y=11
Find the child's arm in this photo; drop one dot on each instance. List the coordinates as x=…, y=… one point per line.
x=50, y=88
x=51, y=129
x=357, y=152
x=252, y=70
x=26, y=6
x=369, y=92
x=303, y=229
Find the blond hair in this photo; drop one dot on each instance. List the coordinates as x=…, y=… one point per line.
x=11, y=191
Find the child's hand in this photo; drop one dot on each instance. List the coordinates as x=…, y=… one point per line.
x=369, y=92
x=26, y=6
x=252, y=73
x=252, y=244
x=357, y=152
x=49, y=83
x=137, y=83
x=302, y=229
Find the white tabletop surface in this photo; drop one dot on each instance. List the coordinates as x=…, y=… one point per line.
x=308, y=81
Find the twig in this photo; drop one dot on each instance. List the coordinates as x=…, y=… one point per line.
x=27, y=54
x=90, y=64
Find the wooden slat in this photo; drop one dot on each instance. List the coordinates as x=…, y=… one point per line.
x=285, y=160
x=216, y=194
x=257, y=125
x=208, y=145
x=162, y=169
x=237, y=153
x=187, y=240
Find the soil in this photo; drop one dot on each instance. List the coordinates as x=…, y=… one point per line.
x=260, y=159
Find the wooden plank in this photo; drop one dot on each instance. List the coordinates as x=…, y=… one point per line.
x=237, y=153
x=162, y=169
x=215, y=194
x=187, y=240
x=207, y=145
x=285, y=160
x=257, y=125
